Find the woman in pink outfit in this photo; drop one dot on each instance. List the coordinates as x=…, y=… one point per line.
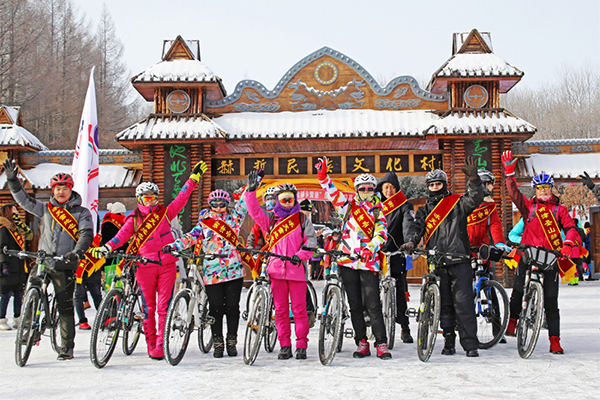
x=288, y=278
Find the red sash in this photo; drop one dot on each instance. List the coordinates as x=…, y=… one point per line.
x=18, y=238
x=566, y=267
x=481, y=214
x=66, y=220
x=283, y=228
x=364, y=221
x=146, y=229
x=438, y=215
x=225, y=231
x=393, y=203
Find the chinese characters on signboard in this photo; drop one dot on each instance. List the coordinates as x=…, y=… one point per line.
x=482, y=151
x=177, y=168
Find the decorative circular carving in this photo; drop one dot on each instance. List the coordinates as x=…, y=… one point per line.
x=476, y=96
x=326, y=73
x=178, y=101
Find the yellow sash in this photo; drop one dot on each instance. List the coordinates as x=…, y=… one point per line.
x=481, y=214
x=20, y=241
x=438, y=215
x=283, y=228
x=394, y=202
x=364, y=221
x=566, y=267
x=225, y=231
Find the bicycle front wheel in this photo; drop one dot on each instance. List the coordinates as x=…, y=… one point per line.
x=105, y=331
x=491, y=311
x=178, y=327
x=134, y=324
x=388, y=302
x=530, y=320
x=205, y=339
x=53, y=320
x=330, y=330
x=27, y=333
x=271, y=331
x=256, y=324
x=428, y=321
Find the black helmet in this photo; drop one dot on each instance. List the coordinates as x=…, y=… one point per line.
x=486, y=176
x=437, y=175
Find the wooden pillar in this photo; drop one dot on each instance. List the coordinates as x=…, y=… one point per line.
x=447, y=146
x=459, y=184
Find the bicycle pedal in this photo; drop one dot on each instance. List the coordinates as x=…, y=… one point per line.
x=349, y=333
x=412, y=312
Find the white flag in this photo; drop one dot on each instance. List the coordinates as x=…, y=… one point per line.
x=85, y=161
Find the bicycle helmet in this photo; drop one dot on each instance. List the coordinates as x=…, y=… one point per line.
x=269, y=193
x=62, y=179
x=365, y=179
x=437, y=175
x=486, y=176
x=146, y=188
x=285, y=187
x=218, y=195
x=542, y=178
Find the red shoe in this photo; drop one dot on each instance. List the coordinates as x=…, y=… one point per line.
x=84, y=326
x=383, y=352
x=512, y=327
x=362, y=350
x=555, y=345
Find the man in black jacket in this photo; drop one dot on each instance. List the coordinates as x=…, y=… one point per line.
x=450, y=236
x=400, y=218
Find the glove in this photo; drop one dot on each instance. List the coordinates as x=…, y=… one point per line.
x=502, y=246
x=366, y=255
x=252, y=181
x=5, y=269
x=167, y=249
x=198, y=170
x=509, y=162
x=470, y=170
x=408, y=247
x=99, y=252
x=72, y=258
x=321, y=167
x=567, y=249
x=587, y=181
x=10, y=169
x=295, y=259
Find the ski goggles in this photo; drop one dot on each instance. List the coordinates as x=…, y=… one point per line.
x=286, y=200
x=543, y=186
x=219, y=204
x=148, y=197
x=366, y=189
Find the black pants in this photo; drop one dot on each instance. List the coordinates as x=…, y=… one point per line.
x=315, y=270
x=16, y=291
x=92, y=284
x=64, y=286
x=362, y=289
x=398, y=272
x=458, y=309
x=224, y=299
x=551, y=280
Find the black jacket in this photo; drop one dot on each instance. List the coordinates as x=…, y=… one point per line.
x=16, y=265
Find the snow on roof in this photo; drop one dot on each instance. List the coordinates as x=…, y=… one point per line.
x=325, y=123
x=559, y=142
x=110, y=176
x=172, y=128
x=475, y=65
x=459, y=39
x=563, y=165
x=177, y=71
x=14, y=135
x=477, y=122
x=193, y=45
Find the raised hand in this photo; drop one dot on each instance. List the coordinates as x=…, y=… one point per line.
x=509, y=162
x=10, y=168
x=252, y=181
x=587, y=181
x=321, y=167
x=470, y=170
x=198, y=170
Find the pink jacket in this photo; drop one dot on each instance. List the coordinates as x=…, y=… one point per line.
x=288, y=246
x=162, y=236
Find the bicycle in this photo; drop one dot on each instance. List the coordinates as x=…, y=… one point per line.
x=428, y=315
x=538, y=260
x=39, y=310
x=120, y=310
x=491, y=300
x=188, y=309
x=387, y=292
x=260, y=314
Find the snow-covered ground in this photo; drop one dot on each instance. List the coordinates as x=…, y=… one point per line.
x=498, y=373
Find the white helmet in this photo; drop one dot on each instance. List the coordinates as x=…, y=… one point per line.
x=365, y=179
x=146, y=187
x=269, y=193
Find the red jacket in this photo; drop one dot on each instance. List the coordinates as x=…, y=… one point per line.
x=480, y=233
x=533, y=233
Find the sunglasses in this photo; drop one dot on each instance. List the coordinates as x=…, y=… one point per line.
x=435, y=184
x=149, y=197
x=366, y=189
x=543, y=186
x=286, y=200
x=220, y=204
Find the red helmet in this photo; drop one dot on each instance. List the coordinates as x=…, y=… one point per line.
x=62, y=179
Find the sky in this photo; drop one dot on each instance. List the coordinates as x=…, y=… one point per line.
x=262, y=39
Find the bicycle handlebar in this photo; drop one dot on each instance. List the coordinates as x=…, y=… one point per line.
x=192, y=256
x=434, y=252
x=262, y=253
x=38, y=255
x=522, y=247
x=140, y=259
x=333, y=253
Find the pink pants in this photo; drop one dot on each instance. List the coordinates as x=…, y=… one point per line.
x=155, y=280
x=283, y=292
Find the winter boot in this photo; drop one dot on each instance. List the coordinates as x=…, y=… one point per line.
x=512, y=327
x=473, y=353
x=555, y=345
x=231, y=343
x=219, y=346
x=383, y=352
x=65, y=354
x=84, y=326
x=285, y=353
x=362, y=350
x=157, y=353
x=4, y=325
x=450, y=344
x=405, y=336
x=16, y=322
x=300, y=354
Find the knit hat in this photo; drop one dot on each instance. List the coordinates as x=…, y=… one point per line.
x=116, y=208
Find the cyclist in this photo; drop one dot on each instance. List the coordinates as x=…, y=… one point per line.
x=65, y=229
x=442, y=223
x=291, y=230
x=13, y=273
x=535, y=233
x=217, y=230
x=151, y=228
x=113, y=220
x=360, y=277
x=483, y=225
x=400, y=217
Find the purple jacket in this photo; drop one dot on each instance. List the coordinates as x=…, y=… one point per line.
x=162, y=236
x=288, y=246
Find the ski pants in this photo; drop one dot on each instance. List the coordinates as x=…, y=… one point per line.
x=16, y=291
x=285, y=291
x=398, y=272
x=64, y=286
x=224, y=299
x=92, y=284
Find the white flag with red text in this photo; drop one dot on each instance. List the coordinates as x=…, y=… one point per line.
x=86, y=160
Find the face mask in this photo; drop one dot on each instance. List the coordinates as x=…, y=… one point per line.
x=270, y=204
x=365, y=193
